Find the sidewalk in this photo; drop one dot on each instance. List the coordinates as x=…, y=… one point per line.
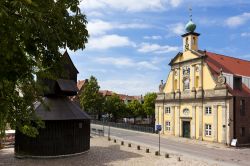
x=178, y=139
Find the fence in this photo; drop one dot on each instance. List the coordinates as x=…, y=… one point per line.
x=147, y=129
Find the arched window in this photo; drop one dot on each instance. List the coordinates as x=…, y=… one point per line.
x=194, y=41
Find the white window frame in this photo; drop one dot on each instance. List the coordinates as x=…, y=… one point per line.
x=208, y=130
x=167, y=110
x=168, y=125
x=208, y=110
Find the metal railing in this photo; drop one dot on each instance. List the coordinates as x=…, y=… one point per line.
x=146, y=129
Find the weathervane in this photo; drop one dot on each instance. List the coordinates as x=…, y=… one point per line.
x=190, y=13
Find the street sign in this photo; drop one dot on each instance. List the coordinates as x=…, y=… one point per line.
x=158, y=127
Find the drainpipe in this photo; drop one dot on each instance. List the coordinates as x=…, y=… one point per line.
x=179, y=99
x=163, y=113
x=234, y=117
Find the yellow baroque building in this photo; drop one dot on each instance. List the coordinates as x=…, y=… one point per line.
x=206, y=95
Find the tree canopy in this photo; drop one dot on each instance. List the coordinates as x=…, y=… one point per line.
x=149, y=103
x=136, y=108
x=31, y=34
x=90, y=99
x=115, y=106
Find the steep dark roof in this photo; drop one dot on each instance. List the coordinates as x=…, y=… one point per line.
x=67, y=85
x=69, y=60
x=62, y=108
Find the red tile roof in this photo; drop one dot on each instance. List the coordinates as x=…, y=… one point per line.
x=228, y=64
x=231, y=65
x=81, y=83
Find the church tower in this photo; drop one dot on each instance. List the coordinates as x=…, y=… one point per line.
x=190, y=38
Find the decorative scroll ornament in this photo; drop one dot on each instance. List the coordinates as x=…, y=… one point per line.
x=161, y=87
x=221, y=80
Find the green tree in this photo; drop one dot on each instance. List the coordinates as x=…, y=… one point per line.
x=32, y=33
x=115, y=106
x=136, y=109
x=149, y=105
x=90, y=99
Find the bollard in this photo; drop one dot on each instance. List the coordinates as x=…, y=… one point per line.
x=157, y=153
x=122, y=143
x=129, y=145
x=138, y=147
x=147, y=150
x=179, y=159
x=166, y=155
x=114, y=140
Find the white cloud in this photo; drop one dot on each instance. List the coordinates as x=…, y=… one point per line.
x=175, y=3
x=156, y=48
x=109, y=41
x=156, y=37
x=238, y=20
x=130, y=5
x=176, y=29
x=100, y=27
x=245, y=34
x=94, y=14
x=130, y=86
x=121, y=62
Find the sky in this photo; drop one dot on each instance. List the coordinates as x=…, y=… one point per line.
x=132, y=41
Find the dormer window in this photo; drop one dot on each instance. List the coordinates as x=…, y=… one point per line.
x=237, y=83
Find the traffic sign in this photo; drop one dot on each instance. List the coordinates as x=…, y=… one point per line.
x=158, y=127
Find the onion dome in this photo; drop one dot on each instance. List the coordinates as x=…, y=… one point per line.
x=190, y=26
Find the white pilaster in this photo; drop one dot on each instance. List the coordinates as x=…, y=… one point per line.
x=193, y=124
x=193, y=78
x=172, y=123
x=200, y=122
x=215, y=122
x=177, y=122
x=224, y=125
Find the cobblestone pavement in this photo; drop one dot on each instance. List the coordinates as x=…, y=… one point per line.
x=208, y=151
x=105, y=153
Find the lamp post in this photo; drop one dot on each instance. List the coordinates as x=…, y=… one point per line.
x=109, y=126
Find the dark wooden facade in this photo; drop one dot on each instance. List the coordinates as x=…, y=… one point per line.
x=58, y=138
x=67, y=126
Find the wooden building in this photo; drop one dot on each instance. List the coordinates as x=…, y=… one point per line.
x=67, y=127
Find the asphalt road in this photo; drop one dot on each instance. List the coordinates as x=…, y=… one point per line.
x=225, y=156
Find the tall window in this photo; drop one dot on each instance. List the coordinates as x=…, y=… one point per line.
x=167, y=110
x=186, y=84
x=194, y=42
x=208, y=129
x=237, y=83
x=242, y=107
x=208, y=110
x=167, y=126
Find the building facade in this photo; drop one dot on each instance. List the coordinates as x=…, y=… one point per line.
x=206, y=95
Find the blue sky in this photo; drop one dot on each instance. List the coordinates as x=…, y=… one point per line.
x=132, y=41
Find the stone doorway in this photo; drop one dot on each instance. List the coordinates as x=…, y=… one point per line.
x=186, y=129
